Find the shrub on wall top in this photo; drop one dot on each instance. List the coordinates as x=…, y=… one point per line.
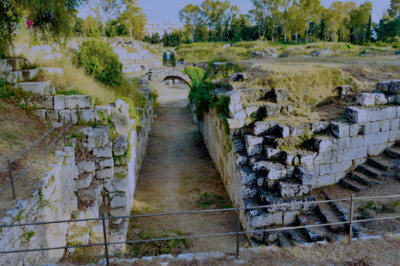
x=100, y=61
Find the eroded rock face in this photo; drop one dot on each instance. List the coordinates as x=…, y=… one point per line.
x=265, y=53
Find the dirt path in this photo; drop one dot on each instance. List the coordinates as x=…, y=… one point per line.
x=178, y=175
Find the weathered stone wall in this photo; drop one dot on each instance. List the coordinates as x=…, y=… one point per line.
x=98, y=176
x=262, y=168
x=52, y=199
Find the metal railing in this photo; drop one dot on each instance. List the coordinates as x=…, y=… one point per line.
x=47, y=146
x=237, y=233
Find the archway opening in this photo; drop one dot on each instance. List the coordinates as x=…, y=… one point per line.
x=173, y=91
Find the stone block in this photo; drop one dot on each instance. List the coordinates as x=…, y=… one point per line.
x=96, y=137
x=380, y=99
x=249, y=192
x=344, y=91
x=307, y=158
x=305, y=176
x=247, y=177
x=40, y=113
x=235, y=123
x=282, y=131
x=357, y=141
x=105, y=173
x=52, y=115
x=118, y=200
x=356, y=115
x=287, y=158
x=102, y=163
x=394, y=87
x=325, y=169
x=375, y=127
x=251, y=110
x=240, y=115
x=115, y=185
x=340, y=129
x=30, y=74
x=65, y=116
x=327, y=157
x=92, y=211
x=40, y=102
x=235, y=103
x=299, y=130
x=271, y=153
x=263, y=128
x=84, y=181
x=378, y=138
x=59, y=102
x=291, y=190
x=105, y=152
x=241, y=159
x=322, y=144
x=86, y=166
x=120, y=146
x=254, y=145
x=266, y=219
x=394, y=135
x=383, y=86
x=275, y=171
x=118, y=212
x=38, y=88
x=87, y=115
x=324, y=180
x=319, y=127
x=77, y=102
x=385, y=125
x=290, y=218
x=374, y=150
x=365, y=99
x=394, y=124
x=92, y=193
x=354, y=130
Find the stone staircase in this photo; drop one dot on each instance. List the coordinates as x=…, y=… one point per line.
x=374, y=171
x=322, y=214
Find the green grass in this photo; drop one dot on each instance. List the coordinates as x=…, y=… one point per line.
x=207, y=200
x=208, y=51
x=157, y=248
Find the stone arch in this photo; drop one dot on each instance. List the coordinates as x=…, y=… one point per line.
x=156, y=76
x=170, y=50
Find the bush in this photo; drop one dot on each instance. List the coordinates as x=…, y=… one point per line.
x=99, y=60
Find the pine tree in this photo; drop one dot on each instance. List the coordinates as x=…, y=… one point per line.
x=369, y=30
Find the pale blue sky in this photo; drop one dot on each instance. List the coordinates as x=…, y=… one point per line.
x=159, y=11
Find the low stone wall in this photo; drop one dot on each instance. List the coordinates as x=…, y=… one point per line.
x=52, y=199
x=97, y=173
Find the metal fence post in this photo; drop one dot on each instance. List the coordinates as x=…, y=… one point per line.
x=237, y=230
x=351, y=217
x=103, y=217
x=11, y=178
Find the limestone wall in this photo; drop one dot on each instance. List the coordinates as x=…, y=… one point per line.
x=97, y=173
x=52, y=199
x=263, y=163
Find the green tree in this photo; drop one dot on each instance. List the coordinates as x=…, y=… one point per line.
x=91, y=27
x=191, y=15
x=359, y=21
x=110, y=8
x=213, y=12
x=369, y=29
x=394, y=9
x=133, y=19
x=258, y=14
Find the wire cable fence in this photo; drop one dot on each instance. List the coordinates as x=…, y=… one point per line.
x=47, y=145
x=237, y=232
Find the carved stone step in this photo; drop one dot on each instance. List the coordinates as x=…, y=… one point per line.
x=351, y=184
x=284, y=241
x=328, y=215
x=371, y=171
x=314, y=234
x=393, y=152
x=381, y=162
x=364, y=179
x=297, y=237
